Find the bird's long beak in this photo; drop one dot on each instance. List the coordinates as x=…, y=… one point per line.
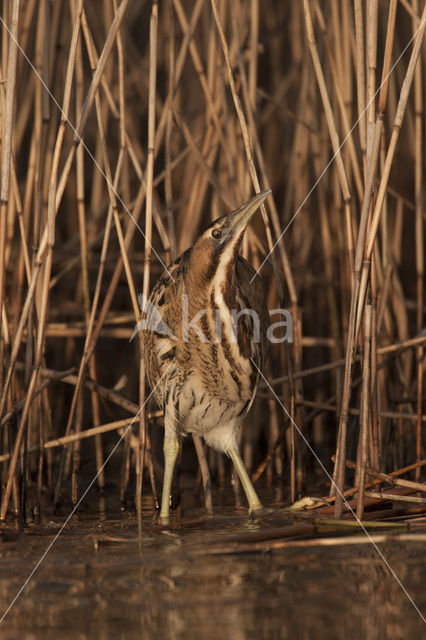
x=239, y=219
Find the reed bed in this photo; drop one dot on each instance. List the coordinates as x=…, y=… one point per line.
x=125, y=128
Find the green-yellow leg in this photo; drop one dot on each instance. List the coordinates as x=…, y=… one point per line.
x=254, y=503
x=171, y=449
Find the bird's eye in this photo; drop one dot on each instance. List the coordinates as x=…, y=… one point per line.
x=216, y=233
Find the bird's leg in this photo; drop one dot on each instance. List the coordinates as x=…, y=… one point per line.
x=171, y=449
x=254, y=502
x=205, y=473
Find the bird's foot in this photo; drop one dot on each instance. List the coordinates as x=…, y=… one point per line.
x=256, y=509
x=164, y=519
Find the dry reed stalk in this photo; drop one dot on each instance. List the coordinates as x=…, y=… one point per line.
x=273, y=449
x=114, y=208
x=249, y=133
x=51, y=214
x=363, y=456
x=342, y=179
x=71, y=379
x=79, y=83
x=326, y=406
x=274, y=433
x=371, y=42
x=97, y=67
x=328, y=111
x=374, y=431
x=168, y=186
x=382, y=495
x=390, y=479
x=203, y=164
x=393, y=348
x=402, y=103
x=60, y=189
x=351, y=492
x=6, y=136
x=373, y=145
x=131, y=228
x=88, y=342
x=199, y=70
x=418, y=486
x=411, y=11
x=179, y=68
x=57, y=375
x=93, y=96
x=147, y=255
x=288, y=131
x=265, y=180
x=342, y=105
x=94, y=61
x=193, y=209
x=419, y=237
x=76, y=437
x=295, y=390
x=365, y=242
x=205, y=473
x=254, y=47
x=90, y=98
x=317, y=541
x=327, y=256
x=243, y=124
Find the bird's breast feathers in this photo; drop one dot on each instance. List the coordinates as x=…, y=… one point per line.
x=199, y=353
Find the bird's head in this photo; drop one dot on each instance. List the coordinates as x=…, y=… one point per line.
x=219, y=244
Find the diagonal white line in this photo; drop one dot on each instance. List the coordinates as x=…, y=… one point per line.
x=81, y=141
x=81, y=499
x=343, y=497
x=338, y=150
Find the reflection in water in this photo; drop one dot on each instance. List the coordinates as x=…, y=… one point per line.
x=175, y=590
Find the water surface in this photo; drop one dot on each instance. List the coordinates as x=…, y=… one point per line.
x=188, y=583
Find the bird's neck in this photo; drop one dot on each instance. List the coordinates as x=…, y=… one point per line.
x=209, y=270
x=224, y=277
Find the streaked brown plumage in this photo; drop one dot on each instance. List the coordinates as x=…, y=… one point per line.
x=203, y=379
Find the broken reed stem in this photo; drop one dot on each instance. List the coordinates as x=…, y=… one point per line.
x=351, y=492
x=77, y=437
x=382, y=495
x=391, y=479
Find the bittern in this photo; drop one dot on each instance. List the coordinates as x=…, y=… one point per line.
x=204, y=341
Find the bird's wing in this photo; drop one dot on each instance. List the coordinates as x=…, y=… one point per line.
x=163, y=320
x=253, y=295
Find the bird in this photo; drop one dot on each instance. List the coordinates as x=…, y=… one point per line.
x=205, y=342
